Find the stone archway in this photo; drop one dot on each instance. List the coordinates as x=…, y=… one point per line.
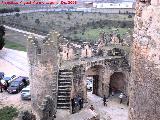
x=117, y=82
x=96, y=72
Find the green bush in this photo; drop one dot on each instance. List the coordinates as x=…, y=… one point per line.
x=17, y=14
x=2, y=40
x=37, y=21
x=8, y=10
x=26, y=115
x=8, y=113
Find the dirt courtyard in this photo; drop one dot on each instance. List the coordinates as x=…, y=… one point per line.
x=7, y=99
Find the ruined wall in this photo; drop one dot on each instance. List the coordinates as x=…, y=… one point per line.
x=78, y=87
x=104, y=69
x=120, y=81
x=115, y=40
x=67, y=53
x=145, y=80
x=101, y=82
x=97, y=70
x=43, y=60
x=86, y=52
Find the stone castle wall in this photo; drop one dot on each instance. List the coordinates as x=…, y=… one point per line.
x=43, y=60
x=145, y=77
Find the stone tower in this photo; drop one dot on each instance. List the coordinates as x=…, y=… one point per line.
x=145, y=80
x=43, y=58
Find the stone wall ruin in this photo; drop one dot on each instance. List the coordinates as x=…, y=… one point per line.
x=43, y=60
x=145, y=78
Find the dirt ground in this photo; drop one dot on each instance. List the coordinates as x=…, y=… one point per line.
x=7, y=99
x=113, y=111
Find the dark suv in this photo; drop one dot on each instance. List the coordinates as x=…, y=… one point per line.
x=18, y=84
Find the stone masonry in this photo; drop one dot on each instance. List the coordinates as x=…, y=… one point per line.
x=43, y=59
x=145, y=75
x=104, y=69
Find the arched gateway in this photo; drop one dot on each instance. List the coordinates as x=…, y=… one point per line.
x=118, y=82
x=106, y=73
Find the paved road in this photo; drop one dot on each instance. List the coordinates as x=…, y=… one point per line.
x=32, y=11
x=14, y=62
x=61, y=10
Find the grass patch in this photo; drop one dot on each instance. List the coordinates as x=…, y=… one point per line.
x=93, y=34
x=14, y=45
x=8, y=113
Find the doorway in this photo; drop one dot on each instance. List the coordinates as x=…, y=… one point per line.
x=95, y=84
x=117, y=83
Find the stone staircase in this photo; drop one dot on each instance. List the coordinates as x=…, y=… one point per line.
x=64, y=88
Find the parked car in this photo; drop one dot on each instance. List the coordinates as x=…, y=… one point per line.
x=1, y=75
x=9, y=79
x=25, y=93
x=89, y=85
x=18, y=84
x=3, y=85
x=5, y=82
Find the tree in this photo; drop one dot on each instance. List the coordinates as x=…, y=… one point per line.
x=37, y=21
x=2, y=40
x=17, y=14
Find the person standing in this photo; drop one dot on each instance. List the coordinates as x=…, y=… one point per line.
x=113, y=91
x=121, y=97
x=91, y=107
x=81, y=101
x=128, y=101
x=73, y=105
x=104, y=100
